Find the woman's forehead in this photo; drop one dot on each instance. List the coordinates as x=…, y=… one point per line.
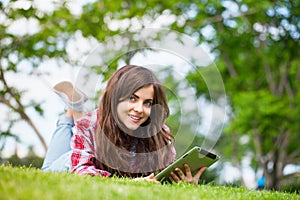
x=146, y=92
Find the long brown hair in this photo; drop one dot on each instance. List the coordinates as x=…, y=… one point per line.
x=132, y=153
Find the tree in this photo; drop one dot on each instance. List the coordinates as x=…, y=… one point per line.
x=254, y=43
x=256, y=51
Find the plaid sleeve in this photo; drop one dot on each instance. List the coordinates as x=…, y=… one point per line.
x=83, y=152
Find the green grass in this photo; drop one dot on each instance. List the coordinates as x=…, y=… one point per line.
x=28, y=183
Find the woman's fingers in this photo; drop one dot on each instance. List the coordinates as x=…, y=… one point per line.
x=180, y=176
x=180, y=173
x=174, y=177
x=150, y=178
x=198, y=174
x=189, y=176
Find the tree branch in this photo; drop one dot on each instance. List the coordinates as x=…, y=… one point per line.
x=270, y=79
x=284, y=78
x=297, y=81
x=229, y=65
x=282, y=139
x=220, y=18
x=292, y=156
x=257, y=143
x=288, y=176
x=20, y=108
x=282, y=143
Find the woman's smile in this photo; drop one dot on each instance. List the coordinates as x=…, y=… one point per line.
x=134, y=118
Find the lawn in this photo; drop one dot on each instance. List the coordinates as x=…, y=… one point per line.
x=29, y=183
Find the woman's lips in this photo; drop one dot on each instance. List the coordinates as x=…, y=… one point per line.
x=135, y=118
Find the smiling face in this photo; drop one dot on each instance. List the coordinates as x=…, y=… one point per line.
x=136, y=109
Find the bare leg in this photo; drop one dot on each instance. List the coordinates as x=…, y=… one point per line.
x=74, y=114
x=77, y=114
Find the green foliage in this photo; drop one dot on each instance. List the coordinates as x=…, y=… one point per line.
x=21, y=183
x=291, y=188
x=37, y=107
x=207, y=82
x=31, y=160
x=268, y=113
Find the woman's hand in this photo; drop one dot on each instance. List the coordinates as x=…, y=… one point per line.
x=150, y=178
x=179, y=176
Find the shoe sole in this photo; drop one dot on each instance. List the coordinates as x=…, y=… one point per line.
x=67, y=88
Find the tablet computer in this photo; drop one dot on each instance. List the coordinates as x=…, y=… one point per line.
x=195, y=158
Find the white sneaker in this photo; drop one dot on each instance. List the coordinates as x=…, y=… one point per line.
x=72, y=97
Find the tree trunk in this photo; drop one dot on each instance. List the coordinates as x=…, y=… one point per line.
x=37, y=132
x=19, y=108
x=235, y=159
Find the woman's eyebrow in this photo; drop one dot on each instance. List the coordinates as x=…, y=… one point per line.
x=136, y=96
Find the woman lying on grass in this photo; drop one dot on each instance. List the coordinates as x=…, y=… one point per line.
x=125, y=136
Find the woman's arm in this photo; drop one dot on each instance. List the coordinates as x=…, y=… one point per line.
x=83, y=156
x=82, y=159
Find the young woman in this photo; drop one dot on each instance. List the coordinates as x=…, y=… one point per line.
x=125, y=136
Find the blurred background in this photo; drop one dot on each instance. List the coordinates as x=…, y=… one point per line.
x=230, y=69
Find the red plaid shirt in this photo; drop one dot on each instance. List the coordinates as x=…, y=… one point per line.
x=83, y=147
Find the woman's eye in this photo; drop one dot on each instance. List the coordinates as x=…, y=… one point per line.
x=148, y=103
x=132, y=98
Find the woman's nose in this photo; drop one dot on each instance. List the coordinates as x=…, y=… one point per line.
x=138, y=107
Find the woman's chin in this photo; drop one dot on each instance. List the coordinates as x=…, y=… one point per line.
x=132, y=127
